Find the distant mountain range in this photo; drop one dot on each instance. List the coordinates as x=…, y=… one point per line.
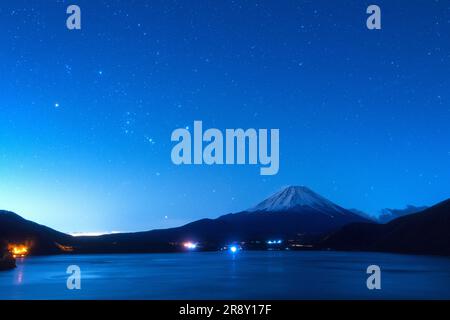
x=295, y=213
x=387, y=215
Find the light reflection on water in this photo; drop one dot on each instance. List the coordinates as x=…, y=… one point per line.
x=19, y=278
x=221, y=275
x=19, y=271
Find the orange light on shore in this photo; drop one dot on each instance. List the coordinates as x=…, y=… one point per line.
x=18, y=251
x=64, y=248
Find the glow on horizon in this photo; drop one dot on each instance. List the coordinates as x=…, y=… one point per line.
x=93, y=234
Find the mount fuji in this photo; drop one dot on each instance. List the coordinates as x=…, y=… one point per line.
x=297, y=198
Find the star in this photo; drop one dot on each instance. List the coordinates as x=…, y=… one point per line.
x=150, y=140
x=68, y=69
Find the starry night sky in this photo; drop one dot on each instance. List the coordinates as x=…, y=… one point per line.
x=86, y=116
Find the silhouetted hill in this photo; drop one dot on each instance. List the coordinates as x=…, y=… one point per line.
x=15, y=229
x=426, y=232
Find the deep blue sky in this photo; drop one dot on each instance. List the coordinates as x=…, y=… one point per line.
x=363, y=115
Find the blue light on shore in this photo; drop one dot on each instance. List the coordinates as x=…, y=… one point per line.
x=233, y=249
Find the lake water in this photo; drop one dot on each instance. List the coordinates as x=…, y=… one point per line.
x=222, y=275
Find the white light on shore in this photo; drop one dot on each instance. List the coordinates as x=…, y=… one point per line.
x=190, y=245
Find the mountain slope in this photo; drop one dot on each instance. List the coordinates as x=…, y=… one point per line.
x=43, y=240
x=426, y=232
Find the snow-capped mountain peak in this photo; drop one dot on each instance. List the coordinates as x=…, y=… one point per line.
x=295, y=197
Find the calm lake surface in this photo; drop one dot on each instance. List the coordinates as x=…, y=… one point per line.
x=222, y=275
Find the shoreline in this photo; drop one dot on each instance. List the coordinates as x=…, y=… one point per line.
x=225, y=251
